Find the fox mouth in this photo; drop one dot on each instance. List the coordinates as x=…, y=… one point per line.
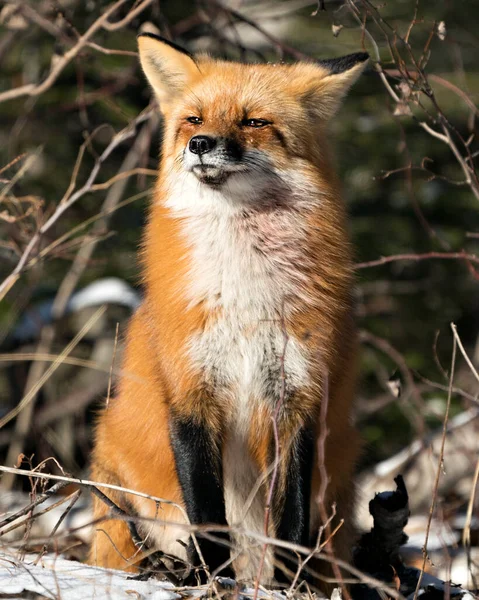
x=211, y=175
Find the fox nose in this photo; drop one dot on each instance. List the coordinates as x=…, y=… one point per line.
x=201, y=144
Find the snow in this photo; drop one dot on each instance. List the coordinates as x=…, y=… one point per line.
x=78, y=518
x=109, y=290
x=440, y=534
x=55, y=577
x=164, y=595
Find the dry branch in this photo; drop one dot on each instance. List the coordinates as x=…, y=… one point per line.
x=68, y=200
x=59, y=65
x=418, y=257
x=38, y=500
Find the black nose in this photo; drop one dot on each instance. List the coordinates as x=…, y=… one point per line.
x=201, y=144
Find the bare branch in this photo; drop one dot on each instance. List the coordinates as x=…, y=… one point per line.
x=67, y=202
x=439, y=466
x=58, y=66
x=418, y=257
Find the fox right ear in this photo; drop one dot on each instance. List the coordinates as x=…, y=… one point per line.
x=329, y=81
x=167, y=67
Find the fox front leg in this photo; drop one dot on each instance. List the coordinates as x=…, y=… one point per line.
x=200, y=472
x=291, y=506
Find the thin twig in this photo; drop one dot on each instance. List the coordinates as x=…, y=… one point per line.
x=38, y=500
x=58, y=66
x=119, y=138
x=440, y=465
x=28, y=522
x=154, y=558
x=87, y=483
x=463, y=352
x=32, y=392
x=466, y=534
x=418, y=257
x=110, y=378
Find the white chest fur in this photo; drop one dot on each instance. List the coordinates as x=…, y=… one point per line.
x=247, y=270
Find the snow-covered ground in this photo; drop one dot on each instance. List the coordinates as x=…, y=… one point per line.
x=54, y=577
x=57, y=578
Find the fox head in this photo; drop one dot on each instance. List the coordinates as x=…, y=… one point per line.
x=249, y=131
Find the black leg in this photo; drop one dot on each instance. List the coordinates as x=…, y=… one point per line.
x=200, y=472
x=292, y=503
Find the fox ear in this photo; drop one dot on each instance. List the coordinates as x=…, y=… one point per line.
x=167, y=66
x=337, y=75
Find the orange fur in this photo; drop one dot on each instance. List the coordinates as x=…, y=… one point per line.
x=133, y=445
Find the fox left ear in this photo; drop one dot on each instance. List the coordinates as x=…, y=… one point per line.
x=336, y=76
x=168, y=67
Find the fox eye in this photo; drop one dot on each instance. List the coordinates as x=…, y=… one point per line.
x=195, y=120
x=255, y=123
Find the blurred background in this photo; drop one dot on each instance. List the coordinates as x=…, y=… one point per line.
x=79, y=144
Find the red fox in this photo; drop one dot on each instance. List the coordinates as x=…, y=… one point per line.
x=246, y=327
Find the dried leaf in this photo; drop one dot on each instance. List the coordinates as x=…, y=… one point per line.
x=12, y=19
x=6, y=216
x=394, y=385
x=336, y=29
x=20, y=458
x=441, y=30
x=402, y=110
x=25, y=206
x=405, y=89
